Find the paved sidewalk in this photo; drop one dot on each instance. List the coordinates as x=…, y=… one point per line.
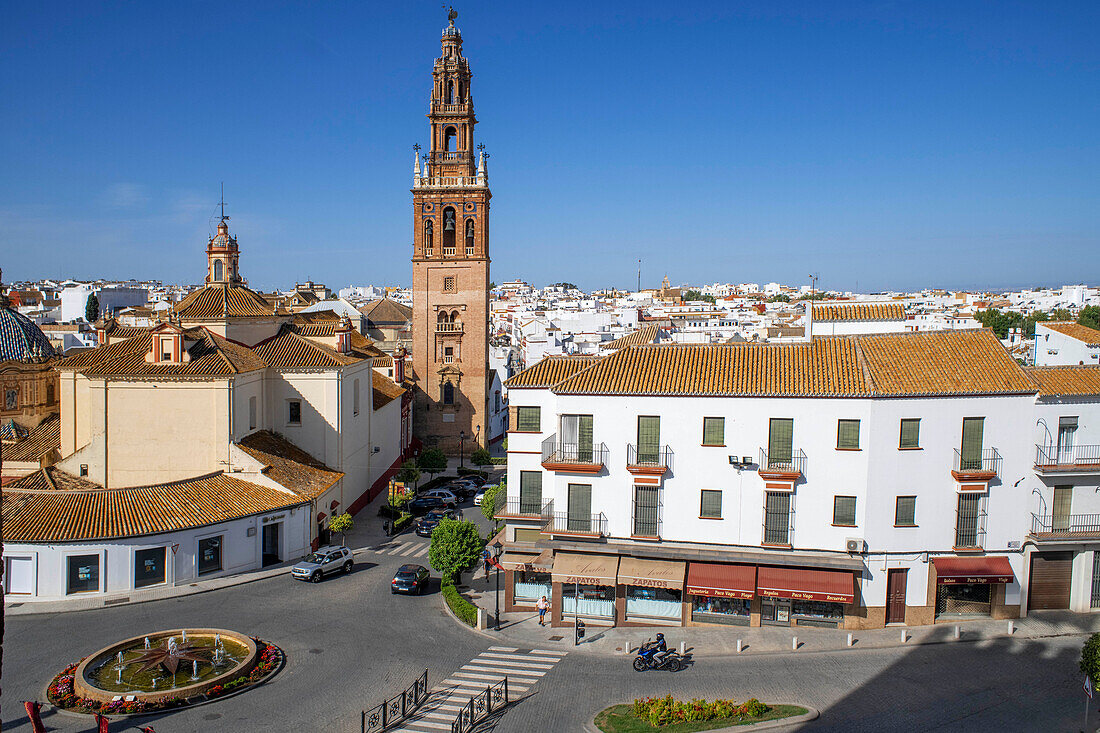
x=522, y=628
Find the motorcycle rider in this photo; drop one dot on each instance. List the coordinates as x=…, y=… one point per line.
x=662, y=650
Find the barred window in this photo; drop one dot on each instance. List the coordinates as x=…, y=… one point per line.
x=966, y=522
x=528, y=419
x=710, y=504
x=714, y=431
x=777, y=517
x=449, y=284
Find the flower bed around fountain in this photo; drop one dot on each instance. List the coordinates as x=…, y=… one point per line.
x=164, y=670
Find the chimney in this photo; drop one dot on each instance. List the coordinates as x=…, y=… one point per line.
x=399, y=365
x=343, y=336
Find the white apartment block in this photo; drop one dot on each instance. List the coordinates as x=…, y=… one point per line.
x=849, y=481
x=1066, y=344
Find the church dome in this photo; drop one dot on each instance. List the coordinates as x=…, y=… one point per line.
x=21, y=339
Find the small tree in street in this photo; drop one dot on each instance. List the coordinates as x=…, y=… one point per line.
x=489, y=500
x=432, y=461
x=91, y=309
x=481, y=457
x=342, y=523
x=455, y=547
x=408, y=473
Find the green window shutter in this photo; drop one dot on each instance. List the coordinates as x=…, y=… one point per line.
x=528, y=419
x=710, y=503
x=847, y=434
x=584, y=438
x=780, y=439
x=714, y=431
x=910, y=433
x=905, y=512
x=530, y=492
x=972, y=443
x=844, y=510
x=1063, y=499
x=649, y=439
x=579, y=517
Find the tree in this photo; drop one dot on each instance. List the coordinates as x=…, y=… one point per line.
x=480, y=457
x=91, y=309
x=1089, y=316
x=696, y=295
x=342, y=523
x=456, y=546
x=1090, y=658
x=489, y=500
x=431, y=461
x=1061, y=314
x=408, y=473
x=780, y=298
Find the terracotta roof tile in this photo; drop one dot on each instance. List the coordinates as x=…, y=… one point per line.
x=211, y=356
x=386, y=312
x=41, y=440
x=1066, y=381
x=1089, y=336
x=647, y=335
x=289, y=465
x=385, y=390
x=551, y=370
x=288, y=350
x=859, y=312
x=35, y=512
x=217, y=301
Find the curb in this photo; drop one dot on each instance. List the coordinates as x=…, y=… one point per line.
x=810, y=714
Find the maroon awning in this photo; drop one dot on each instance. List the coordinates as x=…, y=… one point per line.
x=835, y=586
x=721, y=580
x=972, y=570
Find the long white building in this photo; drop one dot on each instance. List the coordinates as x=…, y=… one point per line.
x=850, y=481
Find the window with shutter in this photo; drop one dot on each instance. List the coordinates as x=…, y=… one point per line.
x=1063, y=499
x=780, y=440
x=847, y=434
x=710, y=504
x=579, y=518
x=972, y=443
x=844, y=510
x=714, y=431
x=649, y=439
x=528, y=419
x=905, y=511
x=530, y=492
x=910, y=433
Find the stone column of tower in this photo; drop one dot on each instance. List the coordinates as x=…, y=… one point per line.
x=451, y=265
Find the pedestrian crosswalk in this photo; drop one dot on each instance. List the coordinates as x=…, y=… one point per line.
x=403, y=549
x=523, y=667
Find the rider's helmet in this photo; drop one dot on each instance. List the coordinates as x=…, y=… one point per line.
x=660, y=637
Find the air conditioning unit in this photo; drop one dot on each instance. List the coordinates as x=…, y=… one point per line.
x=854, y=544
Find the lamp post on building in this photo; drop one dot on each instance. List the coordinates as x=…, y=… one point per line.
x=497, y=547
x=461, y=443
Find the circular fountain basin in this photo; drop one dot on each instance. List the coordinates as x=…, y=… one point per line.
x=97, y=676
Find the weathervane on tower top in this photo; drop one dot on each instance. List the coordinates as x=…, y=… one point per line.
x=222, y=204
x=452, y=14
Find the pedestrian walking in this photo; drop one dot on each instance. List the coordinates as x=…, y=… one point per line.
x=543, y=606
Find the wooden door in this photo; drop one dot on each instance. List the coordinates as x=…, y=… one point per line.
x=1049, y=580
x=895, y=595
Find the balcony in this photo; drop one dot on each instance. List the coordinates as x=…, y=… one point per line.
x=784, y=467
x=650, y=460
x=1076, y=459
x=448, y=328
x=573, y=457
x=574, y=525
x=449, y=156
x=512, y=507
x=980, y=467
x=1057, y=527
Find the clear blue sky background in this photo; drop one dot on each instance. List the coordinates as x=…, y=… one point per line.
x=879, y=144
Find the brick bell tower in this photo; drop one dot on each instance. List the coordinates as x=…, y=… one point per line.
x=450, y=263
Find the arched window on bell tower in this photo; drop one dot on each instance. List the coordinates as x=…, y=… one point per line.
x=219, y=271
x=448, y=230
x=429, y=230
x=450, y=92
x=469, y=236
x=449, y=137
x=448, y=393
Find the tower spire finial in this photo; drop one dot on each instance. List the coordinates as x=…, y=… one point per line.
x=452, y=14
x=222, y=204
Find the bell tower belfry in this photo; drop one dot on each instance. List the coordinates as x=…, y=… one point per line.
x=450, y=262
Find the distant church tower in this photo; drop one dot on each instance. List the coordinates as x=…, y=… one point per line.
x=450, y=263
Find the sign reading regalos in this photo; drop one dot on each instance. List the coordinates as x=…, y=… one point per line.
x=799, y=595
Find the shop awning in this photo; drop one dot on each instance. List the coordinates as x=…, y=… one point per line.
x=527, y=561
x=835, y=586
x=721, y=580
x=972, y=570
x=652, y=573
x=572, y=567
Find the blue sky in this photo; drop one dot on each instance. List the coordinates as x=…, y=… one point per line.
x=881, y=145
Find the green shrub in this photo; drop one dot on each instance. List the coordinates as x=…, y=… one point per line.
x=658, y=711
x=462, y=608
x=480, y=457
x=402, y=521
x=489, y=500
x=1090, y=658
x=499, y=460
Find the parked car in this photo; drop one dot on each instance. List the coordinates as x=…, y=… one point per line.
x=423, y=504
x=474, y=479
x=481, y=494
x=410, y=579
x=462, y=489
x=325, y=561
x=430, y=521
x=446, y=495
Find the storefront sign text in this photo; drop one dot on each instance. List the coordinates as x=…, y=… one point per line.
x=976, y=581
x=719, y=592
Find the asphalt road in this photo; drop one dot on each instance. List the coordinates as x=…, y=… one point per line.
x=350, y=644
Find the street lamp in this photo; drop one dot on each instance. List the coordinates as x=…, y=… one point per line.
x=497, y=547
x=461, y=441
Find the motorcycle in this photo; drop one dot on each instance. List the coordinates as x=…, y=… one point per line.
x=673, y=661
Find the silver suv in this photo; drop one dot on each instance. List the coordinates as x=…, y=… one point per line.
x=325, y=561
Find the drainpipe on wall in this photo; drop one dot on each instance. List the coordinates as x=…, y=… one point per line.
x=106, y=439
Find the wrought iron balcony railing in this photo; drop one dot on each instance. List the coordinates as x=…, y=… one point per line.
x=792, y=462
x=649, y=457
x=582, y=524
x=986, y=462
x=514, y=506
x=555, y=453
x=1062, y=458
x=1065, y=524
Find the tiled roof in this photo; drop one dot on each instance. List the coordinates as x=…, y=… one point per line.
x=647, y=335
x=289, y=465
x=288, y=350
x=1090, y=336
x=116, y=330
x=385, y=390
x=859, y=312
x=942, y=363
x=551, y=370
x=217, y=301
x=34, y=511
x=211, y=356
x=386, y=360
x=938, y=363
x=386, y=312
x=21, y=339
x=825, y=367
x=1068, y=381
x=45, y=437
